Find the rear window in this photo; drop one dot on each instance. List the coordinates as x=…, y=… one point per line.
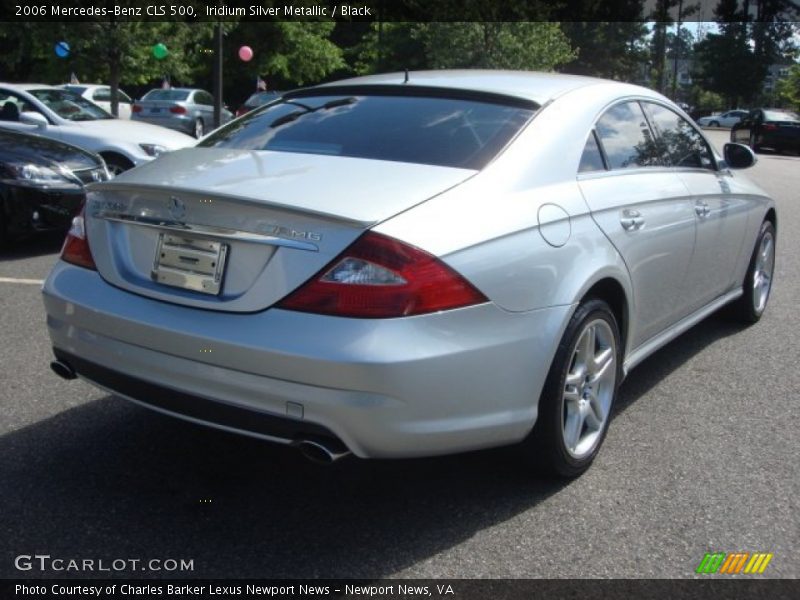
x=260, y=98
x=168, y=95
x=452, y=132
x=774, y=115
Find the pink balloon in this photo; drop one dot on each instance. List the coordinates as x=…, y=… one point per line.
x=245, y=53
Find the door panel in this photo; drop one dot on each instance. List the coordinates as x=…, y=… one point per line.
x=721, y=225
x=649, y=217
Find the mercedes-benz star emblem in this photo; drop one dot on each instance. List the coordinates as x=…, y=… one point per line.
x=177, y=209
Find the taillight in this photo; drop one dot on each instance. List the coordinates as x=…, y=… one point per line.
x=76, y=247
x=380, y=277
x=177, y=109
x=136, y=108
x=769, y=127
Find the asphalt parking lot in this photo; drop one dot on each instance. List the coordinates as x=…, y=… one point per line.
x=702, y=457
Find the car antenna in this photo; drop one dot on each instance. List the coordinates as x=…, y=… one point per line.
x=406, y=79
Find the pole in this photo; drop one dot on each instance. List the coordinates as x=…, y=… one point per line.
x=677, y=52
x=217, y=74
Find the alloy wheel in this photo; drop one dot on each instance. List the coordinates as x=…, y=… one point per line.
x=762, y=274
x=589, y=388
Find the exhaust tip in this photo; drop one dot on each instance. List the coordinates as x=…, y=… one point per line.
x=63, y=370
x=322, y=453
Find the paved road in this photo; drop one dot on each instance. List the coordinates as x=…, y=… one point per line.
x=702, y=456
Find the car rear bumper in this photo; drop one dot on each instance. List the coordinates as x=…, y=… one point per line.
x=182, y=123
x=434, y=384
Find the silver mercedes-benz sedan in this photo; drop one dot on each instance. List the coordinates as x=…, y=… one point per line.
x=411, y=265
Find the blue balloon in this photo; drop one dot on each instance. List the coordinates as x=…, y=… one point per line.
x=62, y=49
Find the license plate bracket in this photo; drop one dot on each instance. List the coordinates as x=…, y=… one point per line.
x=190, y=263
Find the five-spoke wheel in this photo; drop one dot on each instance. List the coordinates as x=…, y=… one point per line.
x=578, y=395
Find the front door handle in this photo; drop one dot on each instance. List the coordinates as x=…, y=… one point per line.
x=631, y=220
x=702, y=210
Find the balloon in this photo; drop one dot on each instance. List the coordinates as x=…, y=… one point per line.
x=62, y=49
x=246, y=53
x=160, y=51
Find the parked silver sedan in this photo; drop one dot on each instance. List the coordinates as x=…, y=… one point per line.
x=398, y=269
x=726, y=119
x=183, y=109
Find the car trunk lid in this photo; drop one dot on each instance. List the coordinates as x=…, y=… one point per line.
x=238, y=230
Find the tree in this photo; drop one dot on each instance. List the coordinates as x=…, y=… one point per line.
x=607, y=37
x=102, y=51
x=660, y=42
x=113, y=50
x=680, y=45
x=285, y=53
x=389, y=47
x=614, y=50
x=735, y=61
x=789, y=88
x=489, y=45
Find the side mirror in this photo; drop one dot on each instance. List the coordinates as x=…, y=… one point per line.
x=34, y=118
x=738, y=156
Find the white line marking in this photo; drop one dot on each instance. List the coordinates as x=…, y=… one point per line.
x=23, y=281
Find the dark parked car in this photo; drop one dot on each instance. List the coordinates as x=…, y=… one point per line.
x=42, y=182
x=770, y=128
x=256, y=100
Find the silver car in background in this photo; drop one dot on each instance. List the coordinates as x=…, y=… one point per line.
x=187, y=110
x=726, y=119
x=397, y=268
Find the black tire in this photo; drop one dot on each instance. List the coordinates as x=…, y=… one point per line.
x=199, y=128
x=713, y=124
x=546, y=447
x=748, y=308
x=117, y=164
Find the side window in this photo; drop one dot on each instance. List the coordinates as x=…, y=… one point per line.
x=679, y=144
x=123, y=97
x=592, y=159
x=12, y=105
x=204, y=98
x=102, y=95
x=625, y=136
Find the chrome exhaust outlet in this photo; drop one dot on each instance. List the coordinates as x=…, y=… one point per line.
x=320, y=452
x=63, y=369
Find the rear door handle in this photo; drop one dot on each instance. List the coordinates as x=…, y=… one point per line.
x=702, y=210
x=631, y=220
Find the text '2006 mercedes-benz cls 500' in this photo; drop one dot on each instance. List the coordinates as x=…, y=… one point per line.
x=413, y=264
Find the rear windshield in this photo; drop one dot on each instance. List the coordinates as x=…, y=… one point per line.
x=168, y=95
x=260, y=98
x=775, y=115
x=452, y=132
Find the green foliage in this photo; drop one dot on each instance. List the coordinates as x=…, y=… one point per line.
x=389, y=47
x=302, y=52
x=735, y=61
x=539, y=46
x=489, y=45
x=614, y=50
x=286, y=54
x=788, y=88
x=704, y=100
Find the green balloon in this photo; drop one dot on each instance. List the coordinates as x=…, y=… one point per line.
x=160, y=51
